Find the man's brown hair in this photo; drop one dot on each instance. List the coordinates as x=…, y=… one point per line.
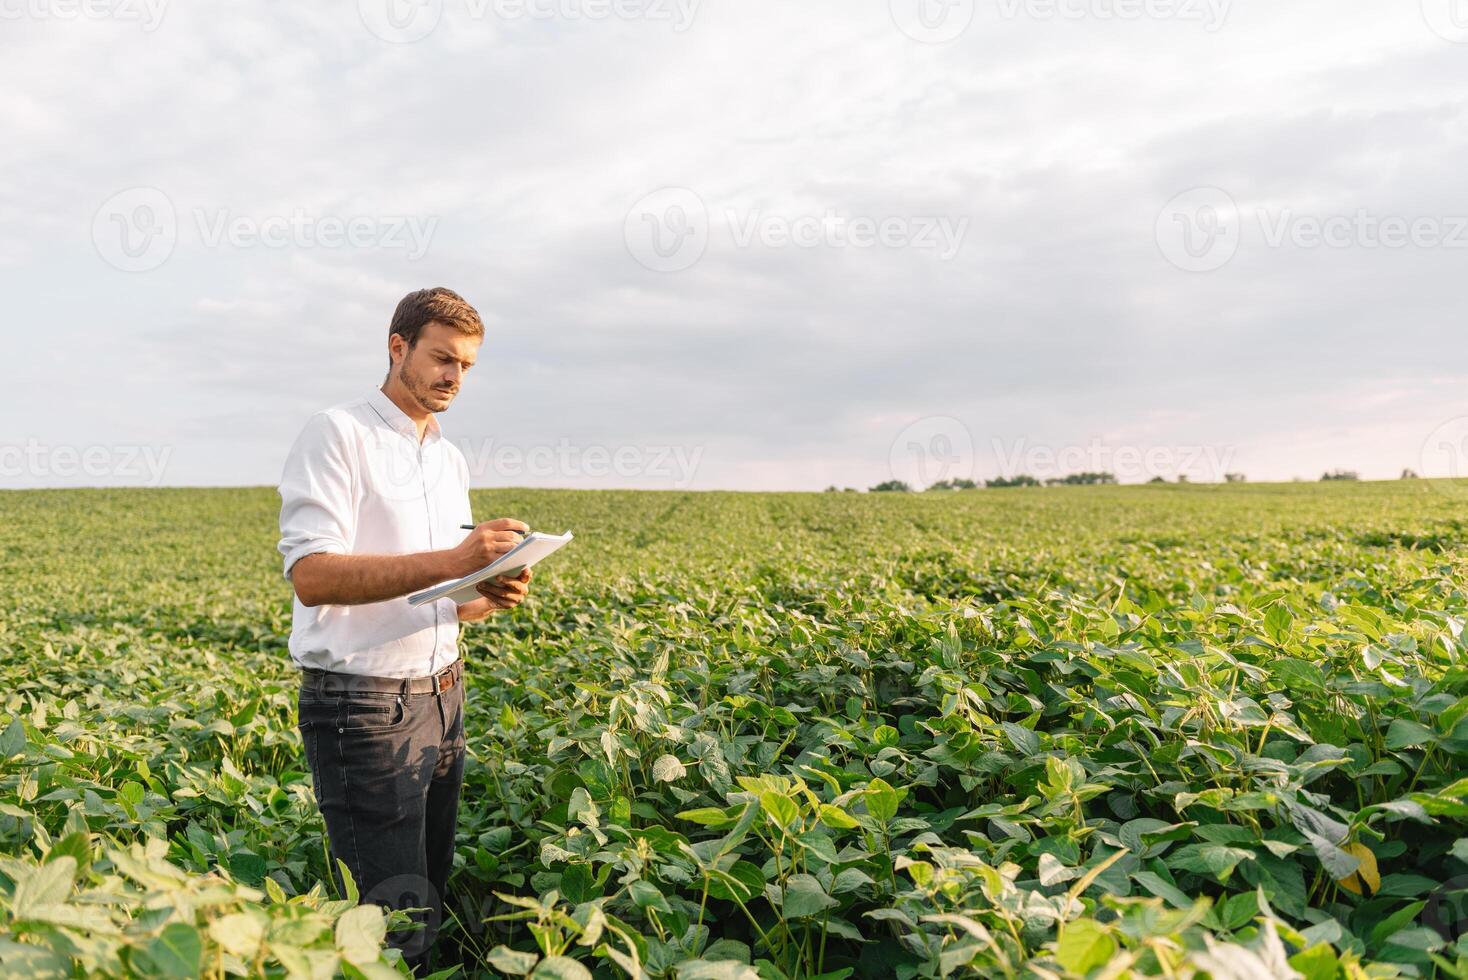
x=436, y=305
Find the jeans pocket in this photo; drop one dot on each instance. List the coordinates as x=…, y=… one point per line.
x=313, y=711
x=369, y=714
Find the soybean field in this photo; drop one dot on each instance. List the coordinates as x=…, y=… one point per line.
x=1179, y=731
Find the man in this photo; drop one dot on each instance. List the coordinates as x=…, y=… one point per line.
x=372, y=502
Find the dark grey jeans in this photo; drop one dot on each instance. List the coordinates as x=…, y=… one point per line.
x=387, y=770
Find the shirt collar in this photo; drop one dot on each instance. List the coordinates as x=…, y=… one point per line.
x=398, y=419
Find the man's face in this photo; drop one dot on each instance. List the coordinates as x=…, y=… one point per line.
x=434, y=368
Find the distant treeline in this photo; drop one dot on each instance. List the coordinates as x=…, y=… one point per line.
x=1022, y=480
x=1073, y=480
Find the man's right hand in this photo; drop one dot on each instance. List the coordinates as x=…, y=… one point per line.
x=485, y=543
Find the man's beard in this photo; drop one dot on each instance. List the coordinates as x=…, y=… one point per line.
x=421, y=391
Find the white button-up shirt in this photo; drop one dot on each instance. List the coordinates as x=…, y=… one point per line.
x=358, y=481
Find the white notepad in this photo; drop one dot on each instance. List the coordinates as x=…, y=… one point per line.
x=535, y=547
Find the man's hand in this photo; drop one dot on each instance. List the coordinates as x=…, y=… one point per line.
x=349, y=580
x=486, y=543
x=494, y=595
x=505, y=593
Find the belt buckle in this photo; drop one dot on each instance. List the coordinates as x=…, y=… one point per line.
x=444, y=679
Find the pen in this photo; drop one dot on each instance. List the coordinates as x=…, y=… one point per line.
x=470, y=527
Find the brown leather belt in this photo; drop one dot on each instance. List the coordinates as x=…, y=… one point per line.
x=334, y=682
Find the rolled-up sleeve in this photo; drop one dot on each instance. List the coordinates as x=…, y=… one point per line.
x=317, y=502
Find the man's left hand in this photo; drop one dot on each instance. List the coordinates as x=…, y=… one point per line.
x=505, y=593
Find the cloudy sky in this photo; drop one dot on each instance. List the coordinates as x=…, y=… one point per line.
x=742, y=243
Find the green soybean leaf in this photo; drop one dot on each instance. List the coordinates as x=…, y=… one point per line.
x=667, y=768
x=175, y=952
x=560, y=968
x=512, y=961
x=238, y=933
x=359, y=934
x=716, y=970
x=708, y=816
x=47, y=885
x=836, y=818
x=1163, y=889
x=742, y=881
x=1084, y=945
x=782, y=810
x=1403, y=733
x=647, y=896
x=882, y=800
x=804, y=896
x=12, y=740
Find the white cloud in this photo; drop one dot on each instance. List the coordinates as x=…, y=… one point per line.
x=525, y=141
